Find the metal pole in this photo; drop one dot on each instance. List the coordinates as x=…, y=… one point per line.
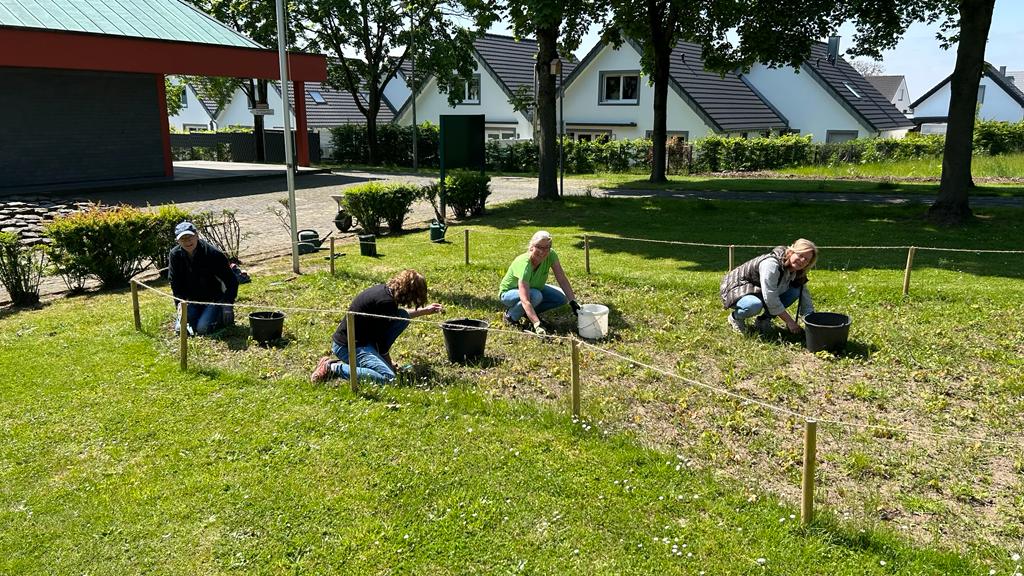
x=810, y=454
x=561, y=132
x=183, y=336
x=415, y=128
x=350, y=328
x=135, y=306
x=289, y=157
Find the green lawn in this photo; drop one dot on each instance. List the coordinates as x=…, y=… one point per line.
x=112, y=461
x=1003, y=166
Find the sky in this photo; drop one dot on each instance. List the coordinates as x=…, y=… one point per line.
x=918, y=56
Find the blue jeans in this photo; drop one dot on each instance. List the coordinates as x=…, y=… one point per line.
x=370, y=362
x=751, y=305
x=543, y=300
x=202, y=318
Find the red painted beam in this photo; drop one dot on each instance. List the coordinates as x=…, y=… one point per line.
x=301, y=133
x=26, y=48
x=165, y=125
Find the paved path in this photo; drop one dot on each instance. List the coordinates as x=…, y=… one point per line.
x=253, y=201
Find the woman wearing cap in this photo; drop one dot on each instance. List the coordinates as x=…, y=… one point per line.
x=378, y=323
x=524, y=289
x=199, y=272
x=770, y=282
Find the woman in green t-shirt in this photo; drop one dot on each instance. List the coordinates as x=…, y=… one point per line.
x=524, y=289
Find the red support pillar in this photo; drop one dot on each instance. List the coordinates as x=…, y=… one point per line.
x=301, y=133
x=165, y=125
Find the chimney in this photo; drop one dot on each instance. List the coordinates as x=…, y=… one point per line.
x=1002, y=70
x=833, y=49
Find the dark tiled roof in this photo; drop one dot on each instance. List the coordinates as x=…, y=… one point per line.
x=886, y=85
x=513, y=61
x=727, y=101
x=839, y=78
x=338, y=108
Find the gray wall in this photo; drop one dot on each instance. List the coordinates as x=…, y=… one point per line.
x=65, y=126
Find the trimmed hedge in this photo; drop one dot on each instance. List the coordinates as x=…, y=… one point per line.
x=994, y=138
x=110, y=243
x=375, y=202
x=394, y=144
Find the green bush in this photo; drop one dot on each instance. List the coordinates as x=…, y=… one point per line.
x=394, y=144
x=21, y=269
x=993, y=137
x=375, y=202
x=110, y=243
x=466, y=192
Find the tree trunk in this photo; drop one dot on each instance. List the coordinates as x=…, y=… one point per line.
x=547, y=50
x=373, y=107
x=659, y=136
x=951, y=206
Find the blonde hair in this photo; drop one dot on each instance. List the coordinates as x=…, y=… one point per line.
x=538, y=236
x=805, y=245
x=409, y=287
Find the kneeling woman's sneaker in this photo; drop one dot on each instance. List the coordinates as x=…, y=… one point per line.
x=322, y=371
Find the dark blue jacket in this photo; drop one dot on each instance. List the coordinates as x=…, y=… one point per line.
x=198, y=278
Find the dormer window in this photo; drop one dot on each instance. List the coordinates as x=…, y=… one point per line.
x=852, y=91
x=317, y=97
x=618, y=88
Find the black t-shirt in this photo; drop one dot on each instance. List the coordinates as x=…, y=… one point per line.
x=376, y=299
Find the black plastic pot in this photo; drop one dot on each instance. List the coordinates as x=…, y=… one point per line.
x=826, y=331
x=367, y=244
x=465, y=339
x=266, y=326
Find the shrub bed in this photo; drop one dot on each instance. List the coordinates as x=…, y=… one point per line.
x=374, y=203
x=21, y=269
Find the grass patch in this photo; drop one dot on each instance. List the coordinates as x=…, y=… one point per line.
x=1005, y=166
x=113, y=461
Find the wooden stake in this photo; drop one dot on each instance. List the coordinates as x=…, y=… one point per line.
x=183, y=335
x=332, y=256
x=586, y=251
x=575, y=378
x=351, y=329
x=466, y=232
x=732, y=255
x=906, y=273
x=135, y=306
x=810, y=455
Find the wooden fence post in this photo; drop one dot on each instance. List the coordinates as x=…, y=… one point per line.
x=332, y=256
x=135, y=306
x=183, y=335
x=732, y=255
x=906, y=273
x=575, y=378
x=350, y=326
x=586, y=251
x=810, y=455
x=466, y=232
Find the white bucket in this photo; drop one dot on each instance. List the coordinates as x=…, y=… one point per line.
x=593, y=321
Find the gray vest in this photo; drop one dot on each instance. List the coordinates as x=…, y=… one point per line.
x=745, y=279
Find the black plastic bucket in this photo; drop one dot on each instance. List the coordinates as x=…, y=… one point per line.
x=465, y=339
x=368, y=245
x=266, y=326
x=826, y=331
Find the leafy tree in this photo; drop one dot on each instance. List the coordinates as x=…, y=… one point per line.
x=428, y=30
x=173, y=95
x=558, y=25
x=962, y=22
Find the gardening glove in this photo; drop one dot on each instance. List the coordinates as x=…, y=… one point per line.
x=575, y=307
x=539, y=330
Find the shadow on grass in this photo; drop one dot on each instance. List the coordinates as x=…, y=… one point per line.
x=613, y=223
x=9, y=309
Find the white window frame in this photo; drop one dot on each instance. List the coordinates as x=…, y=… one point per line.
x=501, y=134
x=831, y=134
x=465, y=86
x=591, y=134
x=602, y=99
x=669, y=134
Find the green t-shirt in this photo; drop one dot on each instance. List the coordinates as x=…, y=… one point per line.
x=521, y=269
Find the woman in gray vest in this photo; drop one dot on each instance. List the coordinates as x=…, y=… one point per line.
x=770, y=282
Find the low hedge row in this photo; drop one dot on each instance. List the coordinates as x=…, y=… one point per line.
x=375, y=203
x=709, y=154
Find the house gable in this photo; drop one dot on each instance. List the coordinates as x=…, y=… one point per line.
x=1002, y=99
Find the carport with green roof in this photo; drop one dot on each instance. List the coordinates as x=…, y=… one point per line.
x=83, y=85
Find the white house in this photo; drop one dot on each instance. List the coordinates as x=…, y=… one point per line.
x=608, y=96
x=894, y=88
x=195, y=113
x=504, y=66
x=999, y=98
